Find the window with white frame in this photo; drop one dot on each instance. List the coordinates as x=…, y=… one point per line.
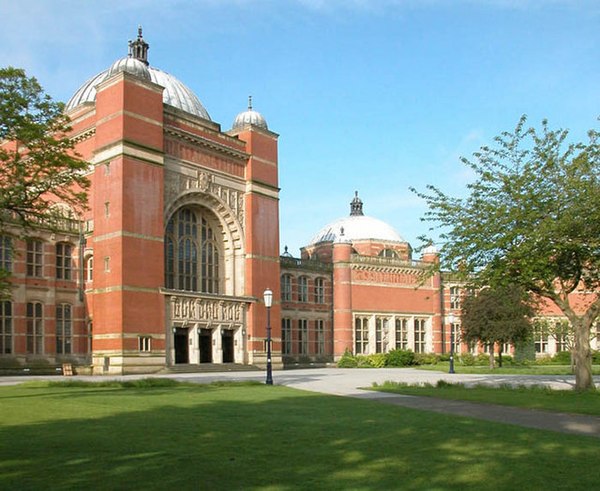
x=5, y=253
x=319, y=337
x=35, y=328
x=540, y=339
x=401, y=333
x=454, y=297
x=145, y=344
x=561, y=335
x=63, y=261
x=286, y=336
x=419, y=338
x=64, y=330
x=455, y=330
x=89, y=268
x=381, y=326
x=361, y=336
x=303, y=289
x=286, y=288
x=319, y=290
x=6, y=328
x=35, y=258
x=303, y=337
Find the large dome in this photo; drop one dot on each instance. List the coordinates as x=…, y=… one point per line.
x=356, y=227
x=176, y=94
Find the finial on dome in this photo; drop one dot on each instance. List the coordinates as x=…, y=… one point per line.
x=356, y=206
x=138, y=49
x=249, y=103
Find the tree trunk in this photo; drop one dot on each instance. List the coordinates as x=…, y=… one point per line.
x=582, y=355
x=491, y=356
x=500, y=356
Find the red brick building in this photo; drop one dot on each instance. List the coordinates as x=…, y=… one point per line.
x=169, y=264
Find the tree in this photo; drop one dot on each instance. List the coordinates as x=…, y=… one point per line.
x=531, y=218
x=38, y=165
x=496, y=315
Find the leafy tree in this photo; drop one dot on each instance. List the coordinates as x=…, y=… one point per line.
x=38, y=165
x=531, y=218
x=496, y=315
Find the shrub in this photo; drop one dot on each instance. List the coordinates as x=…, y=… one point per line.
x=543, y=360
x=9, y=363
x=467, y=359
x=562, y=358
x=596, y=357
x=445, y=356
x=399, y=358
x=363, y=361
x=425, y=359
x=377, y=360
x=482, y=359
x=347, y=360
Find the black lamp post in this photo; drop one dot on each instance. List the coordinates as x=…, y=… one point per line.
x=268, y=298
x=451, y=323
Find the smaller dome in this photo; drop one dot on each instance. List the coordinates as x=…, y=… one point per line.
x=249, y=117
x=130, y=65
x=430, y=249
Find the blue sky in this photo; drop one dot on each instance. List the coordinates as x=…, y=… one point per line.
x=374, y=96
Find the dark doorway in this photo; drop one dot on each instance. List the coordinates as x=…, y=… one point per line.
x=227, y=344
x=205, y=343
x=180, y=342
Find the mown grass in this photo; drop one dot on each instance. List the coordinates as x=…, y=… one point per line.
x=532, y=397
x=507, y=369
x=164, y=435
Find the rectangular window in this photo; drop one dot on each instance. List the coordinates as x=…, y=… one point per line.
x=64, y=333
x=144, y=344
x=286, y=288
x=381, y=325
x=303, y=289
x=6, y=328
x=286, y=336
x=35, y=328
x=35, y=258
x=454, y=297
x=402, y=334
x=419, y=336
x=455, y=334
x=63, y=261
x=5, y=253
x=320, y=337
x=561, y=335
x=540, y=339
x=319, y=290
x=303, y=337
x=361, y=336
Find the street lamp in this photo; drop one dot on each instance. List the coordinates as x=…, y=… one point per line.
x=268, y=298
x=451, y=322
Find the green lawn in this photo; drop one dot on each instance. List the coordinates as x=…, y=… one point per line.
x=566, y=401
x=257, y=437
x=507, y=369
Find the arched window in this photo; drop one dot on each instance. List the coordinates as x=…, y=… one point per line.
x=192, y=253
x=89, y=269
x=5, y=253
x=64, y=329
x=63, y=261
x=6, y=328
x=35, y=328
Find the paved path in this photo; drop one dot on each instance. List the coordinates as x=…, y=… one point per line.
x=349, y=383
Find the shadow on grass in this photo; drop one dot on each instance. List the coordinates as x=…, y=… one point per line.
x=271, y=438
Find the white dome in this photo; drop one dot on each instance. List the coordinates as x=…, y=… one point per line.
x=249, y=117
x=176, y=94
x=357, y=227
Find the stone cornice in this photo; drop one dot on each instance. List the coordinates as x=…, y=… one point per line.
x=206, y=143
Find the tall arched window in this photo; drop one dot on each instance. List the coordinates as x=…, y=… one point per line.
x=192, y=253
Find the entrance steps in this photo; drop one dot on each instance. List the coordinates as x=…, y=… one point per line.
x=209, y=368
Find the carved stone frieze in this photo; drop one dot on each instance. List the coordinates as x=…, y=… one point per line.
x=177, y=183
x=186, y=309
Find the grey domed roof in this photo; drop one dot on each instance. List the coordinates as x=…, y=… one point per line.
x=357, y=226
x=251, y=117
x=175, y=93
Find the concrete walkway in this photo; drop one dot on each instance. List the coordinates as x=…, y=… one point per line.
x=350, y=383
